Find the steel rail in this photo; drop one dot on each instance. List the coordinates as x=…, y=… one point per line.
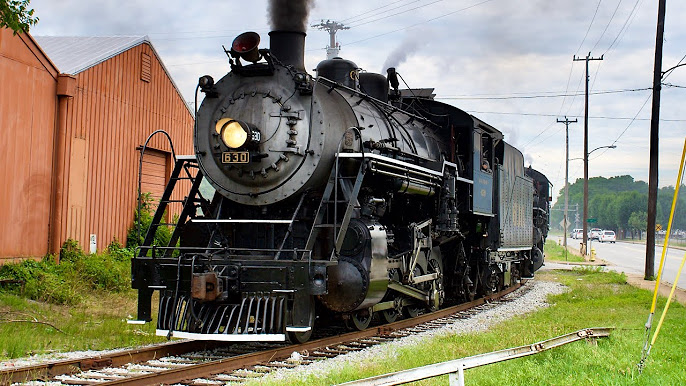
x=60, y=367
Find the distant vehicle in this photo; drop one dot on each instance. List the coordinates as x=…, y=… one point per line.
x=608, y=236
x=594, y=233
x=576, y=233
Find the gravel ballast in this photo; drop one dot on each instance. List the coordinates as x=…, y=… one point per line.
x=532, y=300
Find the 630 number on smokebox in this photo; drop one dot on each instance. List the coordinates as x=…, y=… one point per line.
x=235, y=157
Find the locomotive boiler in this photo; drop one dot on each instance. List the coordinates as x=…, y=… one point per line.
x=338, y=198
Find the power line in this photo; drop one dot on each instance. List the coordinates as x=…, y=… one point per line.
x=421, y=22
x=635, y=118
x=571, y=67
x=572, y=116
x=353, y=24
x=589, y=27
x=607, y=26
x=466, y=97
x=624, y=27
x=669, y=72
x=378, y=8
x=538, y=135
x=378, y=16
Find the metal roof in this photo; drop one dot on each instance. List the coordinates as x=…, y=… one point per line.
x=75, y=54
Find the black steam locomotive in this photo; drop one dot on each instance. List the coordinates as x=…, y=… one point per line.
x=337, y=197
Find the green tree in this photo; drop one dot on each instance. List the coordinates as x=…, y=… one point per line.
x=16, y=15
x=665, y=198
x=638, y=221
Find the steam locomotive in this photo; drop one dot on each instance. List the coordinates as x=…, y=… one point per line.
x=337, y=199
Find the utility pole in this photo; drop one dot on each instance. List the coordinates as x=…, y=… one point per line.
x=585, y=224
x=654, y=140
x=566, y=215
x=331, y=27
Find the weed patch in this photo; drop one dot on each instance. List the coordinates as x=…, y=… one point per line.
x=555, y=252
x=77, y=273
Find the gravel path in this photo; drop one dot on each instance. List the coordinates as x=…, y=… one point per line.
x=533, y=300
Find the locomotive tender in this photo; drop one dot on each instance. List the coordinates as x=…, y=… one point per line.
x=337, y=197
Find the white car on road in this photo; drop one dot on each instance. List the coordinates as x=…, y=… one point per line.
x=608, y=236
x=594, y=234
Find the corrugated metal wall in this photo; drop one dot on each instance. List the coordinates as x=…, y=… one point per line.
x=111, y=115
x=27, y=126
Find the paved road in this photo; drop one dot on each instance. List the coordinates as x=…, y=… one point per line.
x=630, y=258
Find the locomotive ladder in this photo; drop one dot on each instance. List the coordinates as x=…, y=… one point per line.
x=183, y=164
x=344, y=189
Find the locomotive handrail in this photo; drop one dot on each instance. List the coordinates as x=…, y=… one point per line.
x=140, y=169
x=290, y=225
x=382, y=158
x=386, y=105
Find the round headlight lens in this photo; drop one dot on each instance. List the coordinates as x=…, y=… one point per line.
x=232, y=132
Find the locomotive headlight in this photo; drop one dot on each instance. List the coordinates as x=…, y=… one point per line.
x=236, y=134
x=233, y=135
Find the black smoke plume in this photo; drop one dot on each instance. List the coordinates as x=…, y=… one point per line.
x=289, y=15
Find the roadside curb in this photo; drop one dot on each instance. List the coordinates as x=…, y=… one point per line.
x=664, y=290
x=597, y=263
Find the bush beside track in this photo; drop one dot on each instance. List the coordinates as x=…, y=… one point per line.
x=77, y=273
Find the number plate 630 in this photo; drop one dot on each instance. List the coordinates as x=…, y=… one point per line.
x=235, y=157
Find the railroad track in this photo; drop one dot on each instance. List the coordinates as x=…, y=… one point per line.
x=207, y=362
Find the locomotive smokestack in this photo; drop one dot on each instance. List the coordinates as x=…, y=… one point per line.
x=288, y=20
x=288, y=47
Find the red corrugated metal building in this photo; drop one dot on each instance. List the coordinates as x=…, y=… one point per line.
x=74, y=112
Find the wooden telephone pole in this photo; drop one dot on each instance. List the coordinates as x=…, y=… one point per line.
x=585, y=224
x=654, y=140
x=566, y=215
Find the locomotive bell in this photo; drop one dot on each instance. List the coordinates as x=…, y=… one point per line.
x=245, y=46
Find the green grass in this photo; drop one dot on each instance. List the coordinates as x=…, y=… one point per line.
x=555, y=252
x=98, y=322
x=596, y=299
x=80, y=304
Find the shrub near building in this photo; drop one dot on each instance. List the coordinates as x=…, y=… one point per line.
x=77, y=273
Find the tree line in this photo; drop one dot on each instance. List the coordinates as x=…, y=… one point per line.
x=619, y=203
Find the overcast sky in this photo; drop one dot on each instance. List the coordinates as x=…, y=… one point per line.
x=508, y=62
